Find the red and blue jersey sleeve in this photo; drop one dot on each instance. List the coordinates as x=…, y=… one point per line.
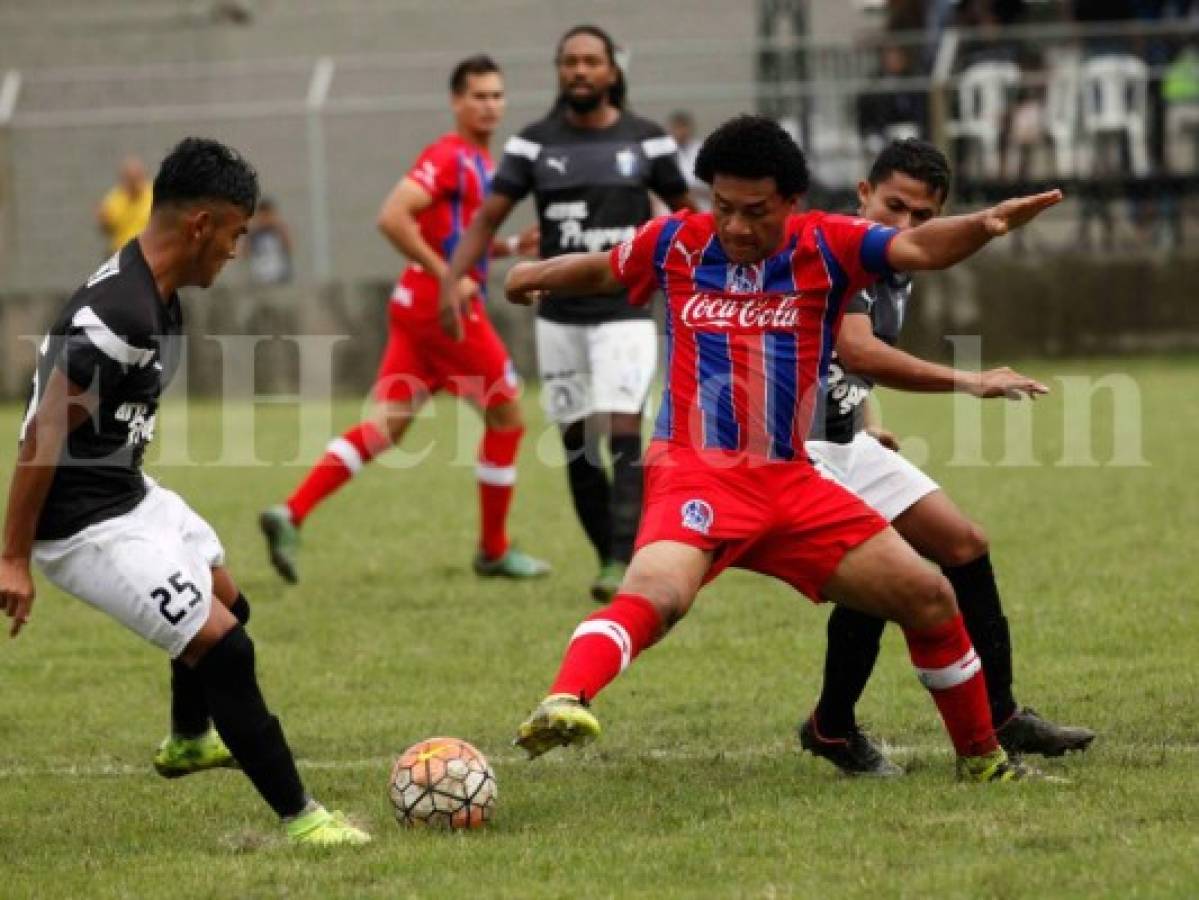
x=638, y=263
x=436, y=170
x=859, y=246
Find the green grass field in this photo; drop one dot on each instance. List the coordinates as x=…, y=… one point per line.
x=697, y=787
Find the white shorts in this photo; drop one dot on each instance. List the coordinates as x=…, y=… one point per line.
x=595, y=368
x=150, y=569
x=886, y=481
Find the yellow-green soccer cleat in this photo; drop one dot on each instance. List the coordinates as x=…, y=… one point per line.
x=178, y=756
x=998, y=766
x=320, y=828
x=282, y=541
x=558, y=721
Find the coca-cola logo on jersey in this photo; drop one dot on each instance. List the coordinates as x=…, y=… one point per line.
x=719, y=311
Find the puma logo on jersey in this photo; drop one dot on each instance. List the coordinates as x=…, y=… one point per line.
x=557, y=163
x=691, y=256
x=426, y=174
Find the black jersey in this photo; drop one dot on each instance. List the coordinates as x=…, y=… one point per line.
x=118, y=339
x=843, y=413
x=592, y=191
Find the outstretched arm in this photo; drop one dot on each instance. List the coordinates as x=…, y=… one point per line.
x=571, y=273
x=940, y=243
x=864, y=354
x=62, y=408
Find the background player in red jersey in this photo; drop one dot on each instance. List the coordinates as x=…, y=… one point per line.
x=755, y=294
x=424, y=218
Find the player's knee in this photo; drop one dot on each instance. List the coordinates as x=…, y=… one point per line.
x=927, y=600
x=229, y=660
x=968, y=544
x=667, y=598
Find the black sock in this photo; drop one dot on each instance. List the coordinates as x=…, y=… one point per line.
x=626, y=494
x=978, y=598
x=189, y=706
x=247, y=727
x=589, y=488
x=853, y=645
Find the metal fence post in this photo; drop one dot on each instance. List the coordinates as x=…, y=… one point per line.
x=318, y=169
x=10, y=91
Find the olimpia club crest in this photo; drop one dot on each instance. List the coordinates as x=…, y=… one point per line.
x=697, y=515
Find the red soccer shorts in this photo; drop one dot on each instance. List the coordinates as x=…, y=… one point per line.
x=782, y=519
x=420, y=359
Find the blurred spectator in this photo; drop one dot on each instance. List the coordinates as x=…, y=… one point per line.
x=125, y=209
x=1180, y=91
x=1026, y=135
x=895, y=111
x=268, y=246
x=681, y=126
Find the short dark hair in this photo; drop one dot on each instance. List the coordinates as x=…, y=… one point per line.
x=479, y=64
x=199, y=169
x=754, y=147
x=618, y=93
x=915, y=158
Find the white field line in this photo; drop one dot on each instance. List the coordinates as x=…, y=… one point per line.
x=615, y=757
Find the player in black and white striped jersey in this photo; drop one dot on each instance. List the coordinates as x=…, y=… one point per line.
x=98, y=528
x=907, y=186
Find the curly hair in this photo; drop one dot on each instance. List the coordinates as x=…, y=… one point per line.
x=754, y=147
x=915, y=158
x=199, y=169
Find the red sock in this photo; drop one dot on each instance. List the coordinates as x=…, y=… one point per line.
x=343, y=458
x=496, y=472
x=947, y=665
x=605, y=643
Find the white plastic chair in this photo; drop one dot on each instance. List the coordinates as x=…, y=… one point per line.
x=984, y=90
x=1061, y=112
x=1115, y=103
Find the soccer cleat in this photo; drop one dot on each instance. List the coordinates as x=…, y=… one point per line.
x=998, y=766
x=513, y=564
x=320, y=828
x=282, y=541
x=1026, y=732
x=854, y=754
x=179, y=756
x=607, y=582
x=558, y=721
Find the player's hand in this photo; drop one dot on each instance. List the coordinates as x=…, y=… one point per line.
x=454, y=306
x=1004, y=382
x=519, y=285
x=884, y=437
x=1011, y=214
x=529, y=242
x=16, y=591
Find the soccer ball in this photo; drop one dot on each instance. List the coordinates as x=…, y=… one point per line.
x=444, y=783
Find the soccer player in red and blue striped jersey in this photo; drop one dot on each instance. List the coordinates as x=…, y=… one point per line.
x=755, y=294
